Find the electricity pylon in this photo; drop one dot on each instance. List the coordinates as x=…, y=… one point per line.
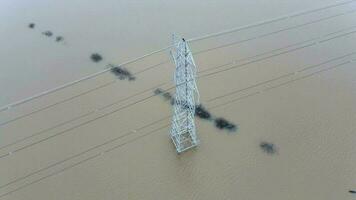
x=183, y=132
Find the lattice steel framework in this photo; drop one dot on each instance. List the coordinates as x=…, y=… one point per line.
x=183, y=131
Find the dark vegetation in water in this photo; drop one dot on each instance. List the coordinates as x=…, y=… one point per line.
x=352, y=191
x=59, y=38
x=95, y=57
x=31, y=25
x=222, y=123
x=268, y=147
x=183, y=104
x=168, y=96
x=158, y=91
x=122, y=73
x=47, y=33
x=200, y=111
x=164, y=94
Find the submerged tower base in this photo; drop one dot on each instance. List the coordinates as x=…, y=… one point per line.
x=184, y=142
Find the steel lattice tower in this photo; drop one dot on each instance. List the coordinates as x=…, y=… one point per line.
x=183, y=132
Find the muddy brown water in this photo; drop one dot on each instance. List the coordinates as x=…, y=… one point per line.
x=308, y=115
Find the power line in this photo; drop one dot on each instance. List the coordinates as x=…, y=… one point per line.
x=277, y=31
x=66, y=100
x=285, y=83
x=259, y=36
x=262, y=36
x=77, y=81
x=137, y=138
x=74, y=119
x=57, y=103
x=281, y=77
x=164, y=127
x=337, y=36
x=196, y=53
x=269, y=21
x=76, y=126
x=281, y=53
x=277, y=54
x=52, y=90
x=146, y=98
x=82, y=153
x=284, y=47
x=91, y=112
x=274, y=55
x=83, y=161
x=17, y=103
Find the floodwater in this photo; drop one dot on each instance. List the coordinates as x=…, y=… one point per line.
x=288, y=85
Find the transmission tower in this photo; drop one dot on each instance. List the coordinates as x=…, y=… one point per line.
x=183, y=133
